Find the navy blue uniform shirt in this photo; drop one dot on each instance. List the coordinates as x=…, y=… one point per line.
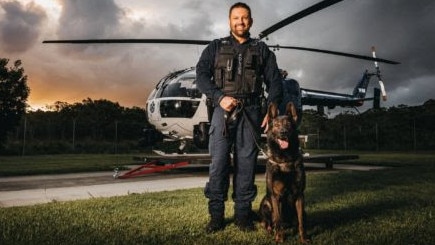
x=206, y=66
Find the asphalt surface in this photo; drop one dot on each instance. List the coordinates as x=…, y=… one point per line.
x=30, y=190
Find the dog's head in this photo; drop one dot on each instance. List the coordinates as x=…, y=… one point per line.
x=282, y=128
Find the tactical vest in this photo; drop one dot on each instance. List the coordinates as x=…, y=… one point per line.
x=237, y=72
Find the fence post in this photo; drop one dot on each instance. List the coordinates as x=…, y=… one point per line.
x=116, y=137
x=74, y=135
x=377, y=136
x=344, y=138
x=24, y=136
x=415, y=137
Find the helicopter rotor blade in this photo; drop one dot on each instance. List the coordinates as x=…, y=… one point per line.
x=310, y=10
x=363, y=57
x=205, y=42
x=91, y=41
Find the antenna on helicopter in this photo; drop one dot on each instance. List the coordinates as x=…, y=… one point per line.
x=378, y=74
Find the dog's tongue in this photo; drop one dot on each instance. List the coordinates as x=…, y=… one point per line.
x=283, y=144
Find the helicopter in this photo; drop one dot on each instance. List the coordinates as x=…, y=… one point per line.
x=179, y=111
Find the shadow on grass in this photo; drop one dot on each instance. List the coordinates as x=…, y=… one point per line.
x=346, y=198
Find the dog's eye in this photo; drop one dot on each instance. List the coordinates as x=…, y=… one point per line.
x=286, y=124
x=276, y=124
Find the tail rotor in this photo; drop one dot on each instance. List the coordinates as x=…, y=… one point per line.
x=378, y=74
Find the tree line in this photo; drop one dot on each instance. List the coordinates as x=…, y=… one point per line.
x=401, y=128
x=90, y=126
x=102, y=126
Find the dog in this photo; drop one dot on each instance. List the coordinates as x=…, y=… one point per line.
x=285, y=176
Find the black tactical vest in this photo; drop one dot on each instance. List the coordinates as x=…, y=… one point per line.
x=237, y=72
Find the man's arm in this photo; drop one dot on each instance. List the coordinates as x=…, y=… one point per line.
x=205, y=72
x=273, y=81
x=272, y=77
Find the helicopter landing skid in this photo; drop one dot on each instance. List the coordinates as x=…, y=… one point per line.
x=154, y=166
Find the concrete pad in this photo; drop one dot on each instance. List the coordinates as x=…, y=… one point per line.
x=30, y=190
x=340, y=166
x=45, y=195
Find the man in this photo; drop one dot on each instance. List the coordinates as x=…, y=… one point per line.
x=231, y=72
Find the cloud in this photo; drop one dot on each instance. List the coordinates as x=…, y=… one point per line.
x=401, y=30
x=20, y=25
x=82, y=19
x=88, y=20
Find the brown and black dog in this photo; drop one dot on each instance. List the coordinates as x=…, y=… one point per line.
x=285, y=176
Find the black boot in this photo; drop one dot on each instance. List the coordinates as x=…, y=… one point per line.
x=215, y=224
x=245, y=222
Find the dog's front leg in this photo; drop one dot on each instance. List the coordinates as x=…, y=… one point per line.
x=300, y=209
x=276, y=218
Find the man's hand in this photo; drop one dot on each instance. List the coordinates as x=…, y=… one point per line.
x=265, y=123
x=228, y=103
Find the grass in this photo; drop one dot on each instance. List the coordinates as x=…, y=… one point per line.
x=391, y=206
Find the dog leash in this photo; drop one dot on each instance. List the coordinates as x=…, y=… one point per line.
x=254, y=136
x=232, y=116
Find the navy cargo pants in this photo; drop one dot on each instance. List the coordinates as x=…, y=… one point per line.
x=236, y=137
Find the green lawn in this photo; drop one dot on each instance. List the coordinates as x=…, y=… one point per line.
x=391, y=206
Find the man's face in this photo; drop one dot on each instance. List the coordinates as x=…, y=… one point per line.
x=240, y=22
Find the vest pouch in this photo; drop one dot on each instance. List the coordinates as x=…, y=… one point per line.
x=250, y=82
x=251, y=62
x=219, y=77
x=229, y=69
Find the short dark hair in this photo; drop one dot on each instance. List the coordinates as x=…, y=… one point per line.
x=241, y=5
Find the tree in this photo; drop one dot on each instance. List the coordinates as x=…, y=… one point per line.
x=13, y=96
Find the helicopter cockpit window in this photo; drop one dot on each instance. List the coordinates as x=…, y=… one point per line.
x=182, y=87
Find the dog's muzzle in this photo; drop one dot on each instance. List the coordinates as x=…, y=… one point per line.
x=283, y=143
x=283, y=139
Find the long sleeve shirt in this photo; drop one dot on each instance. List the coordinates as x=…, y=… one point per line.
x=206, y=66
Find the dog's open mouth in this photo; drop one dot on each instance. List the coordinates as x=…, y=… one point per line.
x=283, y=143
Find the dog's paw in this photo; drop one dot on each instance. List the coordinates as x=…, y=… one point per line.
x=279, y=237
x=305, y=240
x=267, y=227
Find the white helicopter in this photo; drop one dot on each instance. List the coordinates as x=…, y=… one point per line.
x=179, y=111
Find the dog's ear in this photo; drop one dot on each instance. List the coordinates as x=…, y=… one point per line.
x=272, y=111
x=291, y=111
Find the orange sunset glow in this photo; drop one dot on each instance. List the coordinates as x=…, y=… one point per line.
x=126, y=73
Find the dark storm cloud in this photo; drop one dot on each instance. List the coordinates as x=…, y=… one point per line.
x=405, y=30
x=406, y=34
x=20, y=26
x=88, y=20
x=401, y=30
x=82, y=19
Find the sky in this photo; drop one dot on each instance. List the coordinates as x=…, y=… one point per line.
x=401, y=30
